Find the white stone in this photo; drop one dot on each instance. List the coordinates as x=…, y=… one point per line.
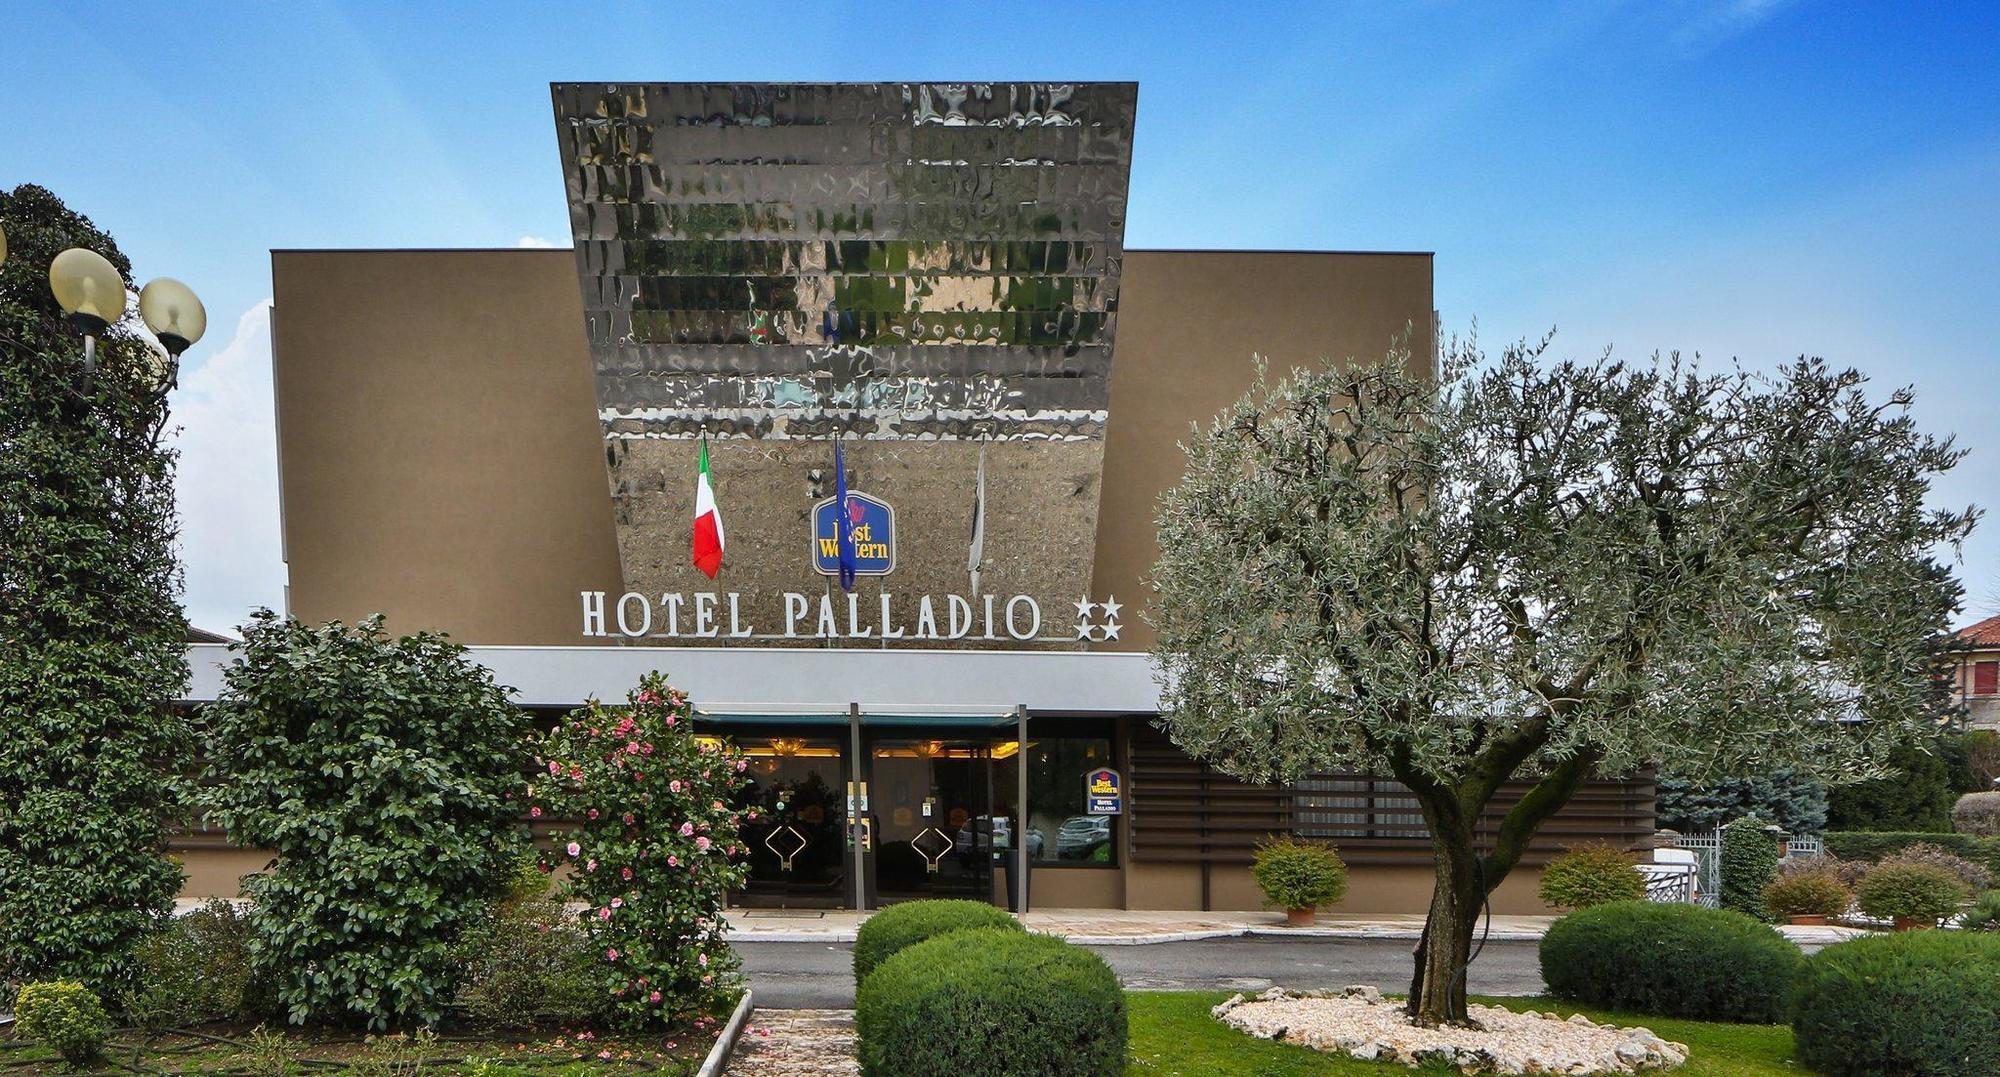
x=1505, y=1042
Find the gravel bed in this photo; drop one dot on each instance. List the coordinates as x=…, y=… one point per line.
x=1359, y=1022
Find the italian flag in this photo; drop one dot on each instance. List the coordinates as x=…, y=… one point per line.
x=707, y=522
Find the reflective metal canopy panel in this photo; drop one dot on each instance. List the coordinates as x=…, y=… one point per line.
x=894, y=260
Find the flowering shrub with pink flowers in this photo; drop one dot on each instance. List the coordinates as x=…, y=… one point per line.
x=648, y=833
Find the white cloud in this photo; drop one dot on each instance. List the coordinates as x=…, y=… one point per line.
x=222, y=415
x=1717, y=23
x=534, y=241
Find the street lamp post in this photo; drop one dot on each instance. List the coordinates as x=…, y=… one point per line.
x=90, y=291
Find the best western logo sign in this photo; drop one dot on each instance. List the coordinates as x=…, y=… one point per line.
x=874, y=531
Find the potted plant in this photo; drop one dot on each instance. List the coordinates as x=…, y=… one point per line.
x=1806, y=898
x=1910, y=895
x=1299, y=877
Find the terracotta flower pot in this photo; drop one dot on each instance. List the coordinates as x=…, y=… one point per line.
x=1808, y=921
x=1300, y=917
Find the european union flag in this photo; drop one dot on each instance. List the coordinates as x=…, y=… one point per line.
x=843, y=516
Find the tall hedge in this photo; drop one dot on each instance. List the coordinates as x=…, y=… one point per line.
x=1917, y=797
x=387, y=775
x=1873, y=846
x=1749, y=862
x=91, y=635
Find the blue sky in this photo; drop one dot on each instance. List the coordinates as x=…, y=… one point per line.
x=1743, y=178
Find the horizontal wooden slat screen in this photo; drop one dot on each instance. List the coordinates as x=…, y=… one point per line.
x=1183, y=811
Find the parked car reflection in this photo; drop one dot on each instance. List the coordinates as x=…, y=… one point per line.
x=988, y=834
x=1081, y=836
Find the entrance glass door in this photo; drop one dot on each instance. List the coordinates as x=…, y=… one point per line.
x=798, y=842
x=931, y=808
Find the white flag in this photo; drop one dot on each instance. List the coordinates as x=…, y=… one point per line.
x=977, y=554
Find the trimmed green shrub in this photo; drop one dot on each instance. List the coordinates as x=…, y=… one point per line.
x=386, y=774
x=1918, y=892
x=1672, y=960
x=1984, y=915
x=900, y=926
x=995, y=1002
x=1873, y=846
x=65, y=1016
x=1749, y=863
x=651, y=849
x=529, y=964
x=1785, y=797
x=1925, y=1004
x=1591, y=874
x=1296, y=874
x=1977, y=814
x=1974, y=876
x=1806, y=894
x=194, y=969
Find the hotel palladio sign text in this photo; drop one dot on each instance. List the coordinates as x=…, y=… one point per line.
x=721, y=615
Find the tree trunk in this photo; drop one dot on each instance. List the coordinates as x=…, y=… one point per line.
x=1437, y=991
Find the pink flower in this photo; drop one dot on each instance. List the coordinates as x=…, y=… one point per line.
x=742, y=765
x=555, y=767
x=590, y=866
x=625, y=873
x=752, y=817
x=611, y=954
x=687, y=830
x=673, y=861
x=701, y=843
x=592, y=813
x=708, y=979
x=654, y=997
x=617, y=903
x=718, y=805
x=604, y=914
x=703, y=958
x=674, y=786
x=605, y=1054
x=670, y=721
x=628, y=818
x=534, y=813
x=575, y=849
x=631, y=747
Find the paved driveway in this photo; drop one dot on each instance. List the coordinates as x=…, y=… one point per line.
x=814, y=975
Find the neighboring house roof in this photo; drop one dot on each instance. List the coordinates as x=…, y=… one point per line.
x=203, y=635
x=1981, y=634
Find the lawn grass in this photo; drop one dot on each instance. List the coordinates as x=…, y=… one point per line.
x=1174, y=1036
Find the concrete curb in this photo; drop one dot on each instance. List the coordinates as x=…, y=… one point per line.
x=725, y=1043
x=1165, y=936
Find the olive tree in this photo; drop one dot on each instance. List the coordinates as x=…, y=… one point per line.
x=1536, y=570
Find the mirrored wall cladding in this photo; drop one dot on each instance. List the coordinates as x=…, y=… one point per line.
x=928, y=272
x=932, y=261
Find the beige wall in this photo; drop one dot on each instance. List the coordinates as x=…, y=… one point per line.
x=1189, y=323
x=1372, y=890
x=442, y=462
x=439, y=453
